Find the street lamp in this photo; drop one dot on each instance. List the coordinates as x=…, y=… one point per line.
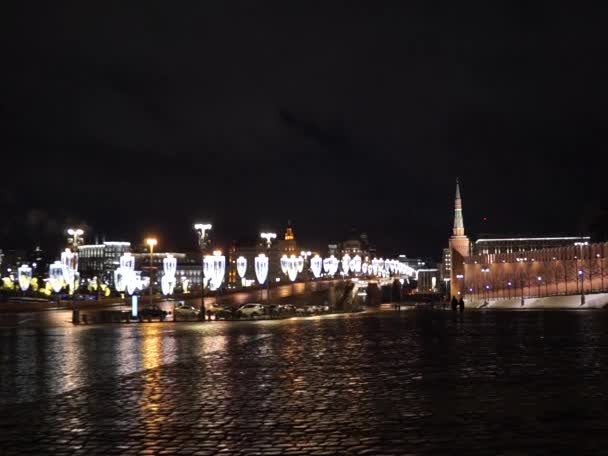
x=76, y=238
x=485, y=270
x=539, y=280
x=509, y=284
x=268, y=237
x=459, y=277
x=202, y=230
x=151, y=242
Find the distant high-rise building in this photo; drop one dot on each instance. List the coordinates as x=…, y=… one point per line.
x=288, y=245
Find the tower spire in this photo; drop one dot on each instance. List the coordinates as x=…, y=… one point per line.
x=458, y=221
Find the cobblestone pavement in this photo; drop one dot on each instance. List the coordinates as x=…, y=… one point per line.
x=382, y=383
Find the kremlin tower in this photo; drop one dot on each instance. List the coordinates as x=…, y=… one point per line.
x=459, y=247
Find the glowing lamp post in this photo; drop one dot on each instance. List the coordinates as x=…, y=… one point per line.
x=241, y=266
x=284, y=262
x=76, y=237
x=268, y=237
x=124, y=275
x=292, y=268
x=261, y=268
x=214, y=269
x=316, y=263
x=459, y=277
x=56, y=276
x=168, y=280
x=333, y=265
x=69, y=262
x=24, y=276
x=539, y=280
x=345, y=264
x=202, y=230
x=151, y=242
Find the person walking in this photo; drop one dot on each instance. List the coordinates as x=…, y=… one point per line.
x=461, y=304
x=454, y=303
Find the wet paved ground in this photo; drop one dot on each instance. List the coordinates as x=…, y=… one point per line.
x=420, y=382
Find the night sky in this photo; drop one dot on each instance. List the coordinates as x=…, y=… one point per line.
x=133, y=119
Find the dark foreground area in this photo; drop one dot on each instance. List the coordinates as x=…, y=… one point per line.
x=418, y=381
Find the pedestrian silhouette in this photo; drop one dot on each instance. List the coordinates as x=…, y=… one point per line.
x=454, y=303
x=461, y=304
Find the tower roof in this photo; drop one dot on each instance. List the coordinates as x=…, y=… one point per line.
x=458, y=220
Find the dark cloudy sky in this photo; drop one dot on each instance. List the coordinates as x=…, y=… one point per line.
x=138, y=117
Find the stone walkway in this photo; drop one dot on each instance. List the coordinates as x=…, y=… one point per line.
x=425, y=382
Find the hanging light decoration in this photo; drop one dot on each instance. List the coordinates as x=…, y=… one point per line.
x=214, y=267
x=326, y=265
x=364, y=268
x=24, y=277
x=333, y=265
x=355, y=264
x=284, y=264
x=69, y=262
x=167, y=282
x=124, y=275
x=261, y=268
x=292, y=268
x=316, y=263
x=299, y=263
x=56, y=276
x=374, y=266
x=345, y=263
x=241, y=266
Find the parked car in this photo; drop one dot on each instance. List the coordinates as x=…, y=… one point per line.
x=185, y=312
x=251, y=310
x=226, y=313
x=150, y=312
x=214, y=308
x=286, y=309
x=300, y=311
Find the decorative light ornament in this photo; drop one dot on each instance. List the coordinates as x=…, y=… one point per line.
x=261, y=268
x=24, y=276
x=326, y=265
x=345, y=263
x=292, y=268
x=69, y=262
x=355, y=264
x=56, y=276
x=333, y=265
x=284, y=264
x=374, y=266
x=167, y=282
x=124, y=275
x=299, y=263
x=316, y=263
x=241, y=266
x=214, y=267
x=185, y=284
x=364, y=268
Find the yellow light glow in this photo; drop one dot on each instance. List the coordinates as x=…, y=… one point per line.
x=151, y=242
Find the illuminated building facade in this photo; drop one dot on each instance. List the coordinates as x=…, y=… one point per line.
x=100, y=260
x=493, y=245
